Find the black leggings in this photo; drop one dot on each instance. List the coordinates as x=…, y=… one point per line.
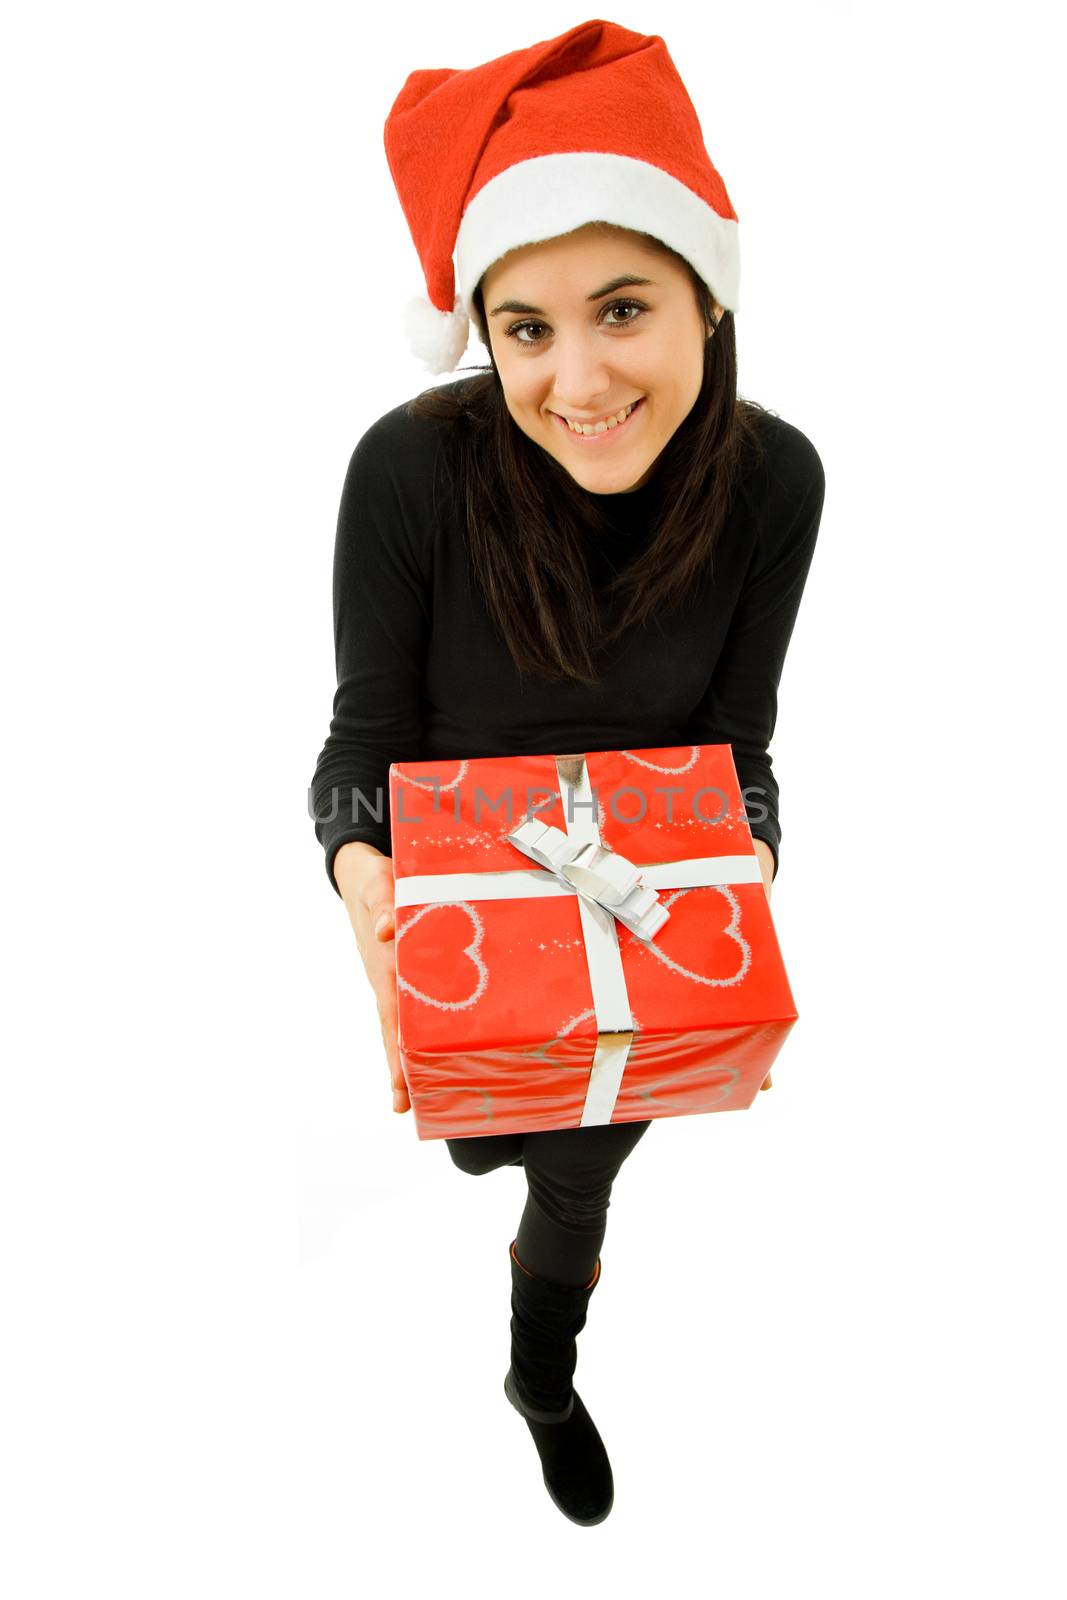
x=569, y=1173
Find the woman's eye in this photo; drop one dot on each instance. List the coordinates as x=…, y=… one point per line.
x=625, y=305
x=616, y=305
x=514, y=332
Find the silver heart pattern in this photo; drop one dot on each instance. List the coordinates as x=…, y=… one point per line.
x=471, y=951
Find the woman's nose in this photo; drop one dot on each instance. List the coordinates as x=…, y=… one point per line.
x=581, y=376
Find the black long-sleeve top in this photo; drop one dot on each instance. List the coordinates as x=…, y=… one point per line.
x=422, y=675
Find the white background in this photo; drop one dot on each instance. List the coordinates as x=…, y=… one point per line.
x=256, y=1331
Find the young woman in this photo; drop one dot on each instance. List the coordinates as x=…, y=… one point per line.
x=590, y=543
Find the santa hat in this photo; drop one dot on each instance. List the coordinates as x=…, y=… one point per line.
x=593, y=126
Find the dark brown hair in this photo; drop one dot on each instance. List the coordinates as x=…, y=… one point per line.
x=528, y=521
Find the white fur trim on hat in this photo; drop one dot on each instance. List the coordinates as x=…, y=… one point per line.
x=551, y=195
x=437, y=338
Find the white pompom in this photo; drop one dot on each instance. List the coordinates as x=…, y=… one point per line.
x=437, y=338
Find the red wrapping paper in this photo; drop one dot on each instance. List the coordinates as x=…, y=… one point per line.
x=496, y=1019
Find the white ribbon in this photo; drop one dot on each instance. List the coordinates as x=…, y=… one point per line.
x=607, y=886
x=602, y=876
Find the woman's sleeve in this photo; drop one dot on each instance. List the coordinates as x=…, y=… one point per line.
x=740, y=705
x=382, y=614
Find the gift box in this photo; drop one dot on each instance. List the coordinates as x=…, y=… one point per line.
x=580, y=939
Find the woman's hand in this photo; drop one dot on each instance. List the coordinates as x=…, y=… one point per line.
x=365, y=878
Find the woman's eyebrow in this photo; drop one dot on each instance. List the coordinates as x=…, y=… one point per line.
x=627, y=281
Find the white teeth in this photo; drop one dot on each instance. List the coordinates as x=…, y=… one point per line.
x=600, y=427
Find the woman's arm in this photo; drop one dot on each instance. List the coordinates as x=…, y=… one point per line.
x=382, y=615
x=740, y=704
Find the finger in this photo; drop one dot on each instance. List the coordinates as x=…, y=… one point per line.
x=387, y=1017
x=391, y=1040
x=396, y=1078
x=401, y=1100
x=766, y=1084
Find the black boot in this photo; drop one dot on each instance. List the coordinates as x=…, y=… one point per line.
x=546, y=1320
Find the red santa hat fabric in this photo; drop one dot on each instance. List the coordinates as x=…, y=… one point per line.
x=593, y=126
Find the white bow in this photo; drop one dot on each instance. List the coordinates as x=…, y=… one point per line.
x=602, y=876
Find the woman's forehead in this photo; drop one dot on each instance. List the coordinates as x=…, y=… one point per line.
x=598, y=241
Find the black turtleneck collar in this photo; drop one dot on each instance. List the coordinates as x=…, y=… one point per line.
x=629, y=513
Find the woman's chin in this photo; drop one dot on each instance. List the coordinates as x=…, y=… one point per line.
x=619, y=478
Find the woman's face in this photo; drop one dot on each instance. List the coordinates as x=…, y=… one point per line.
x=570, y=341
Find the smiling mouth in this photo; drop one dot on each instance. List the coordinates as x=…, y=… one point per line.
x=586, y=433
